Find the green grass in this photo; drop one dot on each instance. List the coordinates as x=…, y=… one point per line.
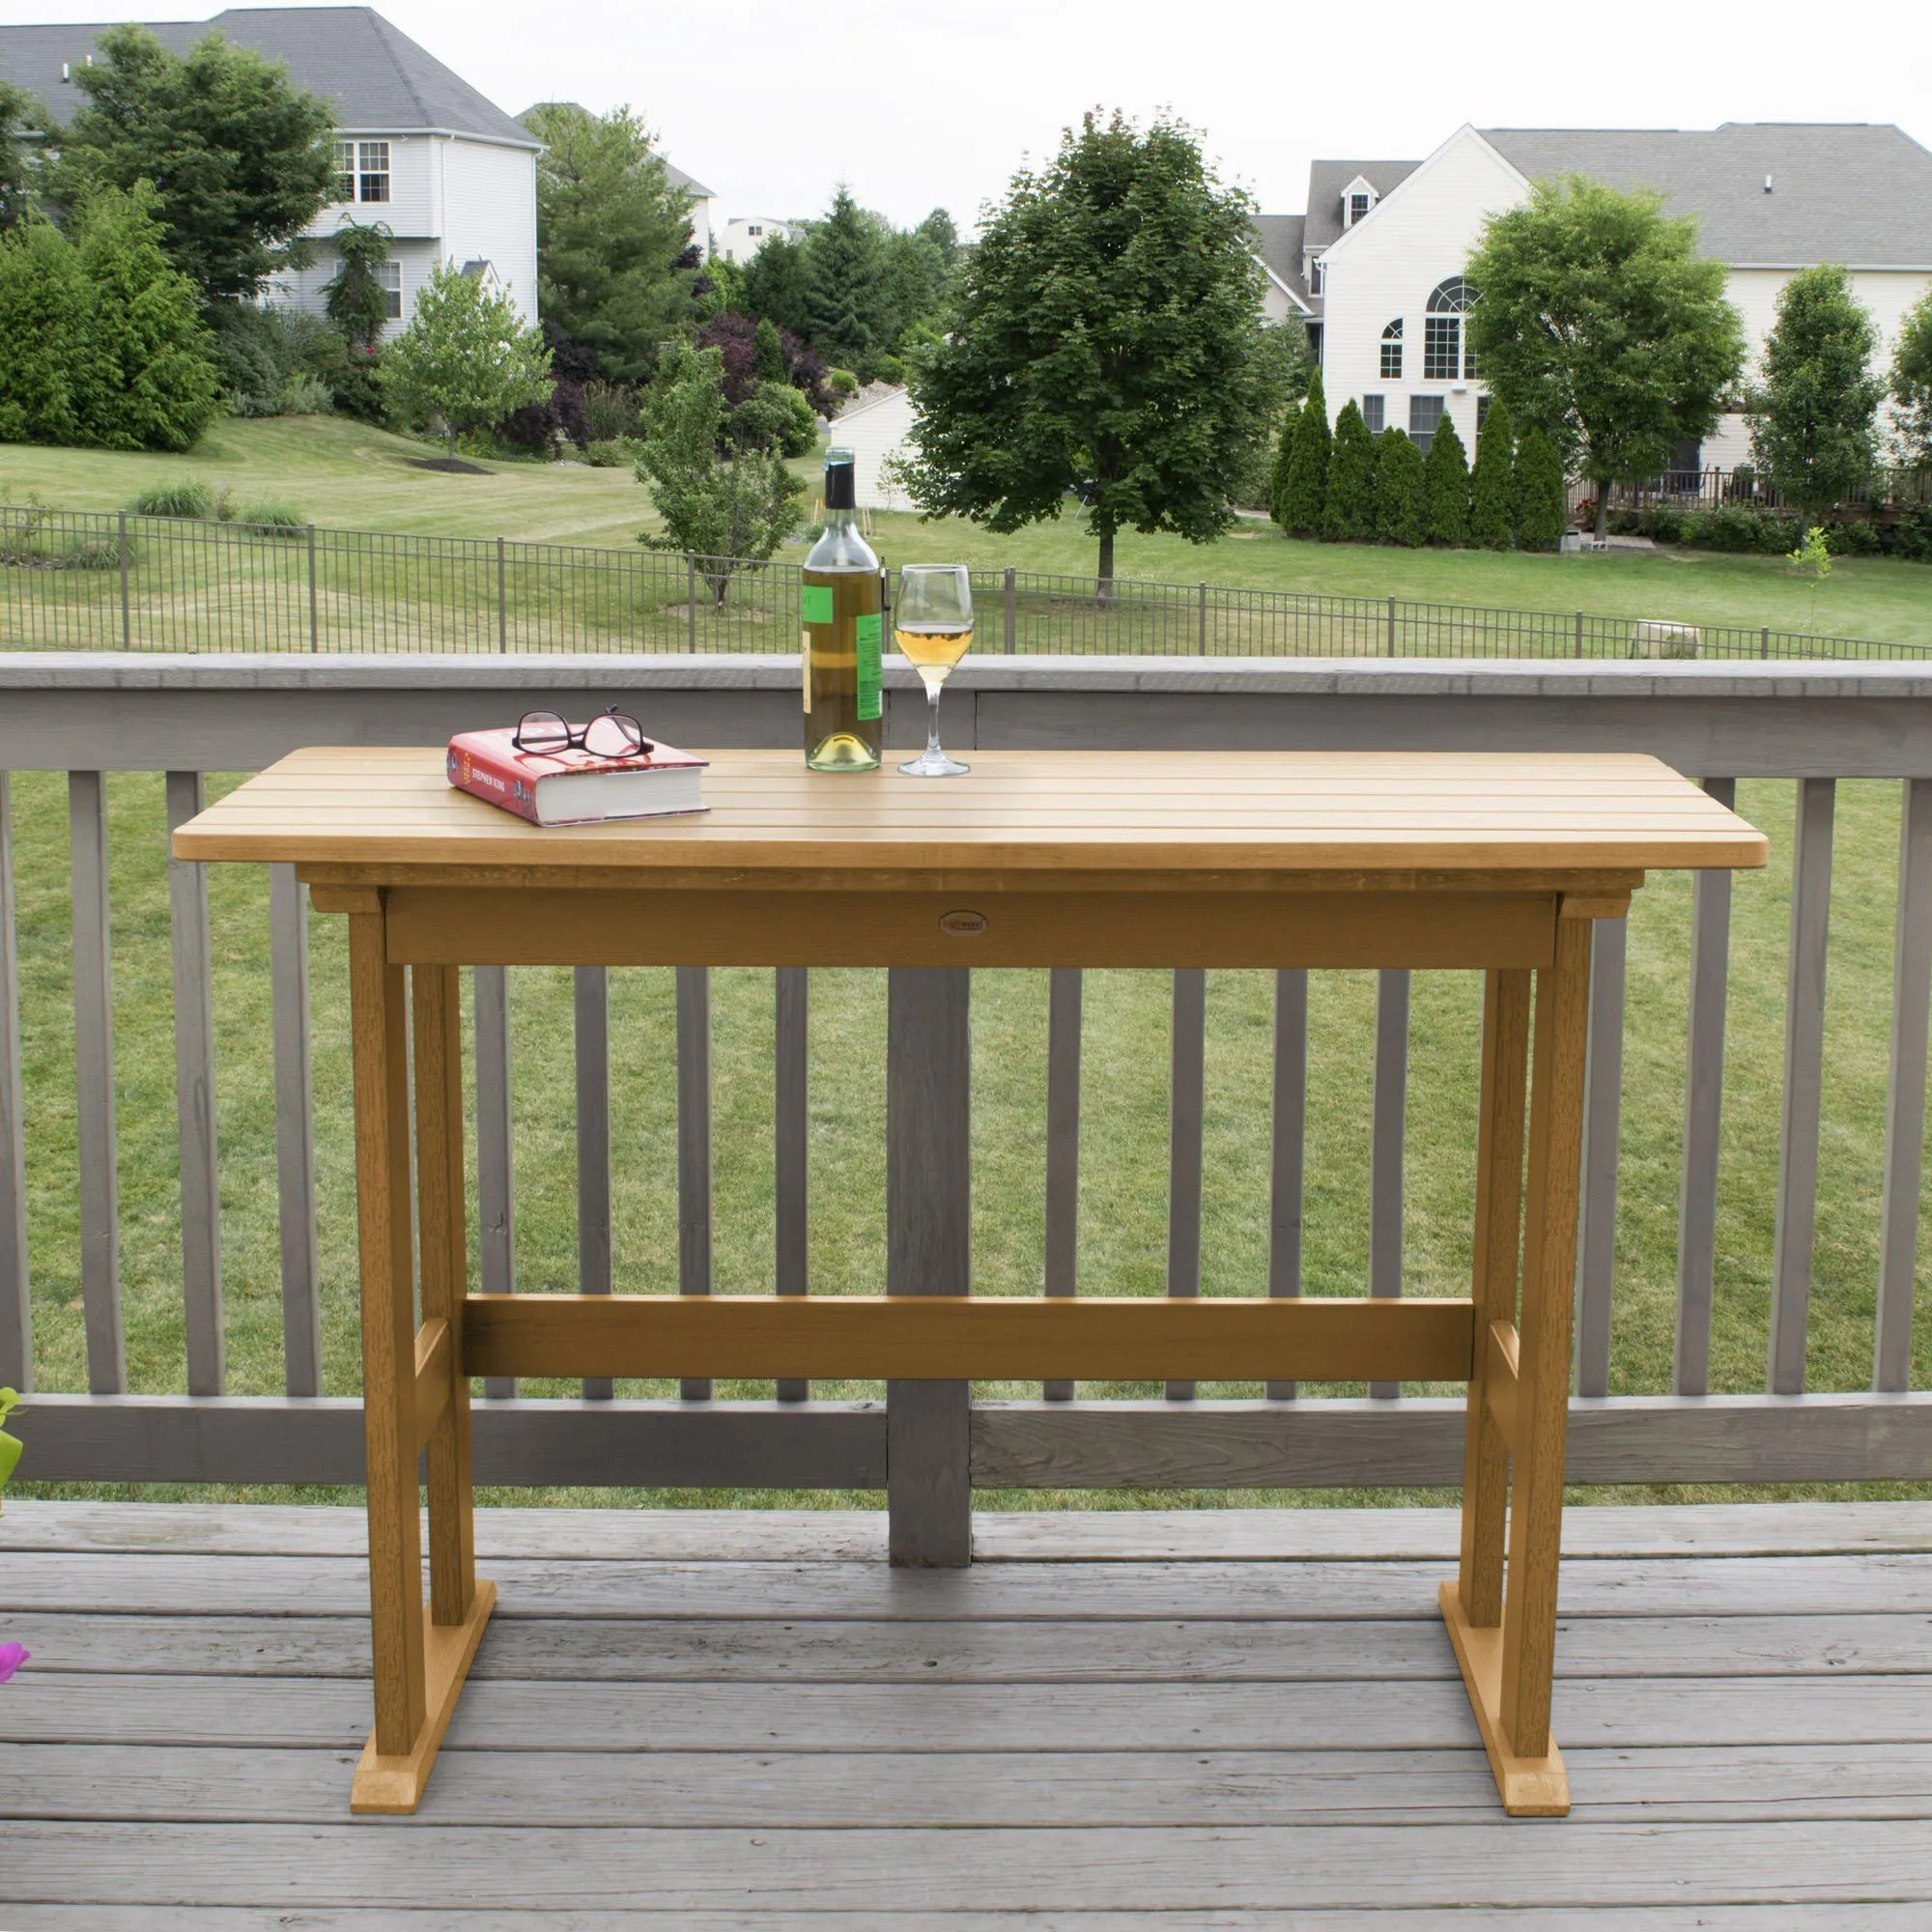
x=1125, y=1151
x=346, y=475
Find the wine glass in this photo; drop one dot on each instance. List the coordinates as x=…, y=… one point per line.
x=932, y=625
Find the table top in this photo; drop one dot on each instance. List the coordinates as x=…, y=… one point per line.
x=1128, y=813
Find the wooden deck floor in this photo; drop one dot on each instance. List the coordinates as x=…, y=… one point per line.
x=1113, y=1721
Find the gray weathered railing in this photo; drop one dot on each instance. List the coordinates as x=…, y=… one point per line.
x=89, y=715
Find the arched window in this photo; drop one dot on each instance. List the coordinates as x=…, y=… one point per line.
x=1443, y=360
x=1392, y=351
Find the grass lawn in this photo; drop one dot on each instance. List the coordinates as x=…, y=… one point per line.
x=1123, y=1185
x=346, y=475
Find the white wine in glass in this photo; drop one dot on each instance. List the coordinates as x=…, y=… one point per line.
x=932, y=625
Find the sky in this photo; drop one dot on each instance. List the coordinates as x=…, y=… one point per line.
x=924, y=103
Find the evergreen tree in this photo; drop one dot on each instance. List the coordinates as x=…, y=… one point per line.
x=1445, y=488
x=1349, y=514
x=355, y=300
x=845, y=282
x=1283, y=462
x=1542, y=508
x=770, y=351
x=1307, y=485
x=44, y=305
x=151, y=380
x=1492, y=485
x=1397, y=489
x=776, y=284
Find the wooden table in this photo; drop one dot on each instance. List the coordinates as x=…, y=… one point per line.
x=1038, y=858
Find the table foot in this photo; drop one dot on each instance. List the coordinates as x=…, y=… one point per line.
x=1531, y=1787
x=393, y=1786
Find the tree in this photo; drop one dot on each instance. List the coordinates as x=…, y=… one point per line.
x=776, y=284
x=1815, y=417
x=1306, y=485
x=240, y=159
x=845, y=282
x=770, y=351
x=466, y=359
x=610, y=229
x=1283, y=462
x=1445, y=488
x=1104, y=340
x=20, y=112
x=1348, y=515
x=1493, y=482
x=354, y=298
x=1912, y=382
x=1539, y=487
x=719, y=502
x=1397, y=489
x=1599, y=324
x=44, y=312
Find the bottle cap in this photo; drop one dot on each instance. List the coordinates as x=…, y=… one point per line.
x=841, y=480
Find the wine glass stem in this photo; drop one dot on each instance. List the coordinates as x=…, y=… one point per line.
x=933, y=750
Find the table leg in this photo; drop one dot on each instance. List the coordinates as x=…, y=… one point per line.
x=1508, y=1670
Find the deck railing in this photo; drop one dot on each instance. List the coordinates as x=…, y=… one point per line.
x=1709, y=489
x=75, y=581
x=91, y=715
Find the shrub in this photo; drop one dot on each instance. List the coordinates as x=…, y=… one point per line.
x=610, y=410
x=1492, y=481
x=841, y=382
x=97, y=553
x=1911, y=535
x=1348, y=515
x=1541, y=515
x=1397, y=489
x=182, y=496
x=774, y=417
x=537, y=428
x=609, y=454
x=1305, y=487
x=305, y=395
x=357, y=388
x=1445, y=488
x=1855, y=537
x=271, y=515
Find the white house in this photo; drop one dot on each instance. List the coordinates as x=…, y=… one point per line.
x=1383, y=244
x=743, y=236
x=416, y=147
x=703, y=204
x=876, y=428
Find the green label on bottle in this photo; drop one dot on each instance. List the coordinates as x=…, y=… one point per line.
x=868, y=639
x=816, y=599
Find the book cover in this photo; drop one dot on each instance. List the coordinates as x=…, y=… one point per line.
x=569, y=786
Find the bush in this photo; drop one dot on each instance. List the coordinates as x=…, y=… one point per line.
x=307, y=395
x=612, y=453
x=271, y=515
x=1348, y=516
x=357, y=388
x=1397, y=489
x=537, y=428
x=841, y=382
x=184, y=496
x=1911, y=537
x=1541, y=515
x=1493, y=482
x=776, y=417
x=609, y=411
x=1853, y=538
x=97, y=553
x=1305, y=486
x=1445, y=488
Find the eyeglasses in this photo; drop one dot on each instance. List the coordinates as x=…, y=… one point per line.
x=610, y=735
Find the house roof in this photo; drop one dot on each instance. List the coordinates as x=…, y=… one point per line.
x=1326, y=182
x=1859, y=193
x=1278, y=242
x=376, y=77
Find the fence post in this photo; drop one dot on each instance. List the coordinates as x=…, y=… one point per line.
x=1202, y=627
x=502, y=605
x=1764, y=643
x=314, y=628
x=127, y=618
x=1391, y=626
x=1012, y=606
x=1580, y=634
x=691, y=603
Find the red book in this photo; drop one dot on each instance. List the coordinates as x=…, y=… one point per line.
x=571, y=786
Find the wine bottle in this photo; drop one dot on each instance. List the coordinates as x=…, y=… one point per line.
x=842, y=598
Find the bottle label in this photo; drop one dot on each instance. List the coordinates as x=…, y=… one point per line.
x=815, y=601
x=868, y=630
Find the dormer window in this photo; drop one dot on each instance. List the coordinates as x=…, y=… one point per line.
x=1392, y=352
x=1357, y=198
x=1358, y=206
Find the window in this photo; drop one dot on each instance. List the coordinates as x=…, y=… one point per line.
x=345, y=172
x=1392, y=352
x=753, y=229
x=1358, y=206
x=1423, y=414
x=1442, y=358
x=391, y=275
x=1375, y=413
x=372, y=181
x=1315, y=276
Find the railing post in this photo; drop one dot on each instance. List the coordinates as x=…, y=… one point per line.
x=1201, y=630
x=1289, y=1145
x=1905, y=1095
x=691, y=603
x=1603, y=1124
x=694, y=1145
x=1389, y=1129
x=314, y=619
x=295, y=1133
x=127, y=610
x=17, y=1318
x=1064, y=987
x=1764, y=643
x=791, y=1145
x=1186, y=1110
x=495, y=1186
x=502, y=603
x=593, y=1144
x=1580, y=634
x=1012, y=606
x=1391, y=625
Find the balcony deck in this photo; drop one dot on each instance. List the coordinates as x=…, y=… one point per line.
x=1223, y=1719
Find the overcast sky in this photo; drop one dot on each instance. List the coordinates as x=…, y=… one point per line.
x=917, y=103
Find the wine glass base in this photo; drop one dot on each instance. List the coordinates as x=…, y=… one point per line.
x=933, y=765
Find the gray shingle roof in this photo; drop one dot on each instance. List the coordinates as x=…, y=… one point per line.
x=378, y=78
x=1278, y=242
x=1327, y=179
x=1856, y=193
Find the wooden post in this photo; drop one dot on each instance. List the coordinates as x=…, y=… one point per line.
x=1064, y=987
x=1389, y=1134
x=1289, y=1145
x=1186, y=1085
x=592, y=986
x=693, y=1146
x=928, y=1251
x=16, y=1319
x=791, y=1134
x=94, y=1084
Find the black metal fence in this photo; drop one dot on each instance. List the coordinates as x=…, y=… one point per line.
x=80, y=581
x=1713, y=489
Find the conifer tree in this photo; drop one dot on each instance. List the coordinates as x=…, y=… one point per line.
x=1492, y=483
x=1308, y=468
x=1542, y=508
x=1445, y=488
x=45, y=311
x=1284, y=463
x=1397, y=489
x=770, y=351
x=1348, y=516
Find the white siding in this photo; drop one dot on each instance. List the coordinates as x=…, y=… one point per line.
x=410, y=213
x=490, y=215
x=873, y=434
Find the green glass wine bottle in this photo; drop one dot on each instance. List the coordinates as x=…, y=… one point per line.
x=841, y=638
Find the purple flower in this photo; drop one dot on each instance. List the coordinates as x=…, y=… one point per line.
x=11, y=1656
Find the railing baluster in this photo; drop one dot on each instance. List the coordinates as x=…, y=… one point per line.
x=1064, y=985
x=593, y=1144
x=495, y=1177
x=1905, y=1092
x=793, y=1128
x=94, y=1084
x=1603, y=1102
x=693, y=1146
x=1387, y=1130
x=1188, y=1064
x=1703, y=1115
x=16, y=1310
x=1803, y=1079
x=194, y=1101
x=295, y=1133
x=1291, y=1136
